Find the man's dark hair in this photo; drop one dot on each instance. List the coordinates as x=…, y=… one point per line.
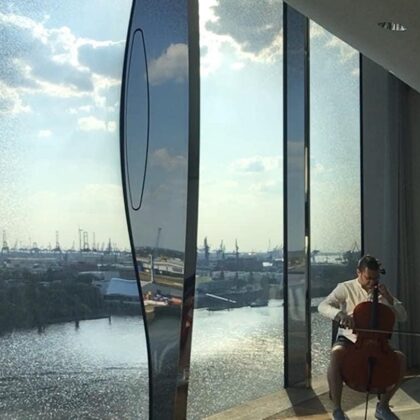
x=367, y=261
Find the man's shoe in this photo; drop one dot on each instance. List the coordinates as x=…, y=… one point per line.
x=338, y=414
x=383, y=412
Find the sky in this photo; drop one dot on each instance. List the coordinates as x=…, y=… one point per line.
x=60, y=87
x=60, y=80
x=241, y=177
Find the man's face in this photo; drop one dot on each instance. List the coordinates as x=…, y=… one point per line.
x=368, y=278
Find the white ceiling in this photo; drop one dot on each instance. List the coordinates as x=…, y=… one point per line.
x=356, y=22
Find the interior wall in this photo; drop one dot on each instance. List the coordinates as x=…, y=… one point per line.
x=409, y=222
x=380, y=138
x=391, y=189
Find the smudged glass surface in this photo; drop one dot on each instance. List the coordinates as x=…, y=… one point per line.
x=237, y=344
x=158, y=227
x=335, y=176
x=72, y=342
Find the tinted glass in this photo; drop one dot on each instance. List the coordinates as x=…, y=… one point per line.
x=296, y=143
x=72, y=342
x=158, y=75
x=335, y=176
x=136, y=118
x=237, y=331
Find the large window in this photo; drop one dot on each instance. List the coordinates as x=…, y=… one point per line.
x=335, y=175
x=72, y=342
x=237, y=337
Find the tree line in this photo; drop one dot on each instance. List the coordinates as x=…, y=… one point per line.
x=34, y=300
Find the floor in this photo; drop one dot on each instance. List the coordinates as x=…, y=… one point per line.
x=314, y=404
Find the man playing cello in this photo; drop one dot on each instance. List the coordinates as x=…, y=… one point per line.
x=339, y=306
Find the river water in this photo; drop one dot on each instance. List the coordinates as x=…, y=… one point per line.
x=99, y=371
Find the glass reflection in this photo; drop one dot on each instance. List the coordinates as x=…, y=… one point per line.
x=237, y=339
x=297, y=345
x=158, y=227
x=335, y=176
x=136, y=118
x=72, y=343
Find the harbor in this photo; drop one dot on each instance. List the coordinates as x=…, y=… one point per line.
x=104, y=364
x=90, y=298
x=59, y=285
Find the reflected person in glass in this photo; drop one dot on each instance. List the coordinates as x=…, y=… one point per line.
x=339, y=306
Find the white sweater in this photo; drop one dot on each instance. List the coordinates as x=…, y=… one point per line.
x=346, y=296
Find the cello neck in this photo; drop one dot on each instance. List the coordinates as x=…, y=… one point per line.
x=373, y=324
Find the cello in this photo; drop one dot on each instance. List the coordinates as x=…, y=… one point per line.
x=371, y=365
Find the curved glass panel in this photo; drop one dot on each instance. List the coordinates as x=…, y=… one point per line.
x=335, y=176
x=237, y=346
x=158, y=229
x=72, y=341
x=136, y=119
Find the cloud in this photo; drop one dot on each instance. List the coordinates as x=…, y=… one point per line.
x=251, y=31
x=345, y=51
x=37, y=60
x=44, y=134
x=61, y=74
x=111, y=126
x=17, y=73
x=317, y=31
x=103, y=57
x=257, y=164
x=318, y=168
x=268, y=186
x=10, y=101
x=319, y=34
x=83, y=108
x=163, y=158
x=35, y=53
x=92, y=123
x=237, y=66
x=171, y=65
x=253, y=25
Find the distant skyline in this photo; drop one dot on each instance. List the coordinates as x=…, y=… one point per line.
x=60, y=79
